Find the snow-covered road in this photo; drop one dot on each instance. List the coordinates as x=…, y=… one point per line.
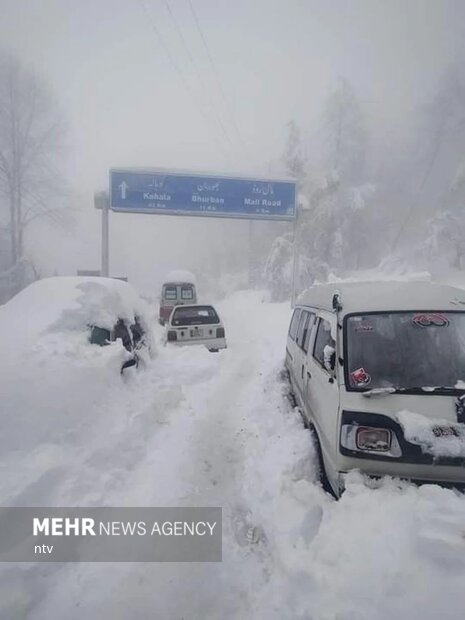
x=199, y=429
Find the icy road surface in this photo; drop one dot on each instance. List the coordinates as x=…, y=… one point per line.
x=197, y=428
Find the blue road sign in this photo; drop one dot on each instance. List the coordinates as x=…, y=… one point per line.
x=172, y=193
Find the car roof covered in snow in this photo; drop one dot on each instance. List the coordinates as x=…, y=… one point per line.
x=384, y=295
x=64, y=303
x=179, y=276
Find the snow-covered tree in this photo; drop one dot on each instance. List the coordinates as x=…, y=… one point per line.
x=344, y=134
x=294, y=157
x=336, y=201
x=279, y=269
x=30, y=143
x=445, y=241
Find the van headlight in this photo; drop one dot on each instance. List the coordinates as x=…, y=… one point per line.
x=370, y=440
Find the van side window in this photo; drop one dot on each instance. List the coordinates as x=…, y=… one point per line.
x=323, y=341
x=294, y=323
x=302, y=330
x=308, y=331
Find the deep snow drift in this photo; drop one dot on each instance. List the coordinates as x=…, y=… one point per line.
x=196, y=428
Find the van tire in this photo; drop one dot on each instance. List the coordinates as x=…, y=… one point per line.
x=323, y=478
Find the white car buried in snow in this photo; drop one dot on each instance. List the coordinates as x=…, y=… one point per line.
x=70, y=314
x=196, y=324
x=53, y=374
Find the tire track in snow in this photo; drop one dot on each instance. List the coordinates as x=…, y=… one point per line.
x=225, y=441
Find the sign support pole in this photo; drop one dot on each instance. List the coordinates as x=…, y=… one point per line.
x=295, y=258
x=105, y=266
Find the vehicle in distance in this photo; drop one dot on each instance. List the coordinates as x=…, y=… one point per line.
x=196, y=324
x=178, y=289
x=378, y=370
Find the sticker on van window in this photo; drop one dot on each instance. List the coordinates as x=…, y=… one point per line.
x=363, y=327
x=430, y=319
x=360, y=377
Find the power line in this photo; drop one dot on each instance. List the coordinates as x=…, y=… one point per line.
x=177, y=69
x=215, y=72
x=195, y=67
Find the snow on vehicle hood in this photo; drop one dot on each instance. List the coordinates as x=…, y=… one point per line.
x=423, y=431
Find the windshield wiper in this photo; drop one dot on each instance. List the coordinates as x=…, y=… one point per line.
x=384, y=391
x=445, y=388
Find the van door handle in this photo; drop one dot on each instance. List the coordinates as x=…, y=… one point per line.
x=302, y=375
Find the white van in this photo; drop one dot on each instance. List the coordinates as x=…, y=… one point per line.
x=178, y=289
x=378, y=370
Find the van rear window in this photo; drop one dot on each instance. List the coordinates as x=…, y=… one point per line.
x=187, y=292
x=170, y=293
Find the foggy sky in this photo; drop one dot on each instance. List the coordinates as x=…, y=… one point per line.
x=126, y=105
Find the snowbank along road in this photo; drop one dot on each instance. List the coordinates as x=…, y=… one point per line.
x=195, y=429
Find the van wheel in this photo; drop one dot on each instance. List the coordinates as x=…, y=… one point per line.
x=213, y=350
x=323, y=478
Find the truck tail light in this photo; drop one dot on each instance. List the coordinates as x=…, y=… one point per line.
x=220, y=332
x=172, y=335
x=373, y=439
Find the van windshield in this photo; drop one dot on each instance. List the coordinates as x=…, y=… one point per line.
x=405, y=350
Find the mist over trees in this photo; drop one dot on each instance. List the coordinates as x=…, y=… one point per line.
x=31, y=184
x=371, y=194
x=366, y=202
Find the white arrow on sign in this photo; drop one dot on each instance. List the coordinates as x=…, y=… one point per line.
x=123, y=187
